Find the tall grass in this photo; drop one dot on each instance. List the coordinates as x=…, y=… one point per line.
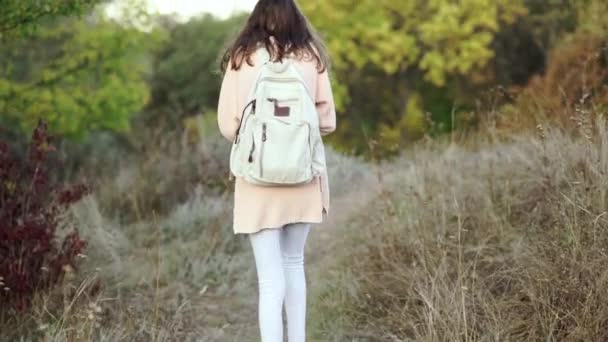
x=161, y=258
x=177, y=277
x=493, y=239
x=505, y=243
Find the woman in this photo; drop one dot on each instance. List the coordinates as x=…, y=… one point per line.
x=277, y=219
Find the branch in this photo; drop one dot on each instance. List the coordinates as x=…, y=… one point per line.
x=63, y=9
x=24, y=21
x=57, y=78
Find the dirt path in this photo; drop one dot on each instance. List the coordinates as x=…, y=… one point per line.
x=319, y=253
x=323, y=238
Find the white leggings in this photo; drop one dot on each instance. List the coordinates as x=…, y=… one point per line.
x=279, y=259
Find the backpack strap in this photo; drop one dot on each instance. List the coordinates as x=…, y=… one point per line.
x=238, y=129
x=264, y=56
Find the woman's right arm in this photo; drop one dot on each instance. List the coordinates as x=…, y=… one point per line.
x=325, y=104
x=227, y=111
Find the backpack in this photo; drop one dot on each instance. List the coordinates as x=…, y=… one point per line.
x=278, y=141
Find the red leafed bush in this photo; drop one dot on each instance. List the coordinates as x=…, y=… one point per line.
x=32, y=257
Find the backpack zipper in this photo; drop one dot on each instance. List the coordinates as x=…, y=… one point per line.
x=262, y=149
x=311, y=150
x=282, y=80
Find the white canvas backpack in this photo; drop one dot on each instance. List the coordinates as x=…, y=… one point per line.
x=278, y=142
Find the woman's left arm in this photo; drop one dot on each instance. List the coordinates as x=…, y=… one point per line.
x=325, y=104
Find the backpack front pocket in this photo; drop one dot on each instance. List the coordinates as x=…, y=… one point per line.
x=284, y=154
x=283, y=103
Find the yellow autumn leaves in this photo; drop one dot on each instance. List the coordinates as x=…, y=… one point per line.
x=440, y=37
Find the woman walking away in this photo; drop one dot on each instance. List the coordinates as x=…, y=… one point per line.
x=275, y=104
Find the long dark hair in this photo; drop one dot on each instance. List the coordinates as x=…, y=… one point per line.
x=283, y=22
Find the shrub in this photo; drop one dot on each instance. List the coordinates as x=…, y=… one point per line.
x=165, y=169
x=32, y=257
x=574, y=85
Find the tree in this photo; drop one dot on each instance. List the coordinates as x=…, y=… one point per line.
x=80, y=75
x=440, y=37
x=413, y=43
x=186, y=77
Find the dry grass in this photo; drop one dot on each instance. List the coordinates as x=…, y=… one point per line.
x=492, y=241
x=182, y=276
x=502, y=243
x=506, y=243
x=169, y=279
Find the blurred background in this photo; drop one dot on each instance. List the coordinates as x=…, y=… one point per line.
x=467, y=172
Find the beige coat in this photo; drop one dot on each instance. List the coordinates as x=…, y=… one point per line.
x=257, y=207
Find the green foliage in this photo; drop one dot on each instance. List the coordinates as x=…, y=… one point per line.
x=78, y=75
x=591, y=15
x=549, y=20
x=186, y=77
x=18, y=16
x=521, y=48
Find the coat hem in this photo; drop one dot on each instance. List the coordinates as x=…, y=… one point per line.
x=280, y=225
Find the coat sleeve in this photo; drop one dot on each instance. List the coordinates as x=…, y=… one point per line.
x=325, y=104
x=227, y=112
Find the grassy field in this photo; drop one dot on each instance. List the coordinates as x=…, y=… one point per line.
x=495, y=241
x=506, y=242
x=477, y=210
